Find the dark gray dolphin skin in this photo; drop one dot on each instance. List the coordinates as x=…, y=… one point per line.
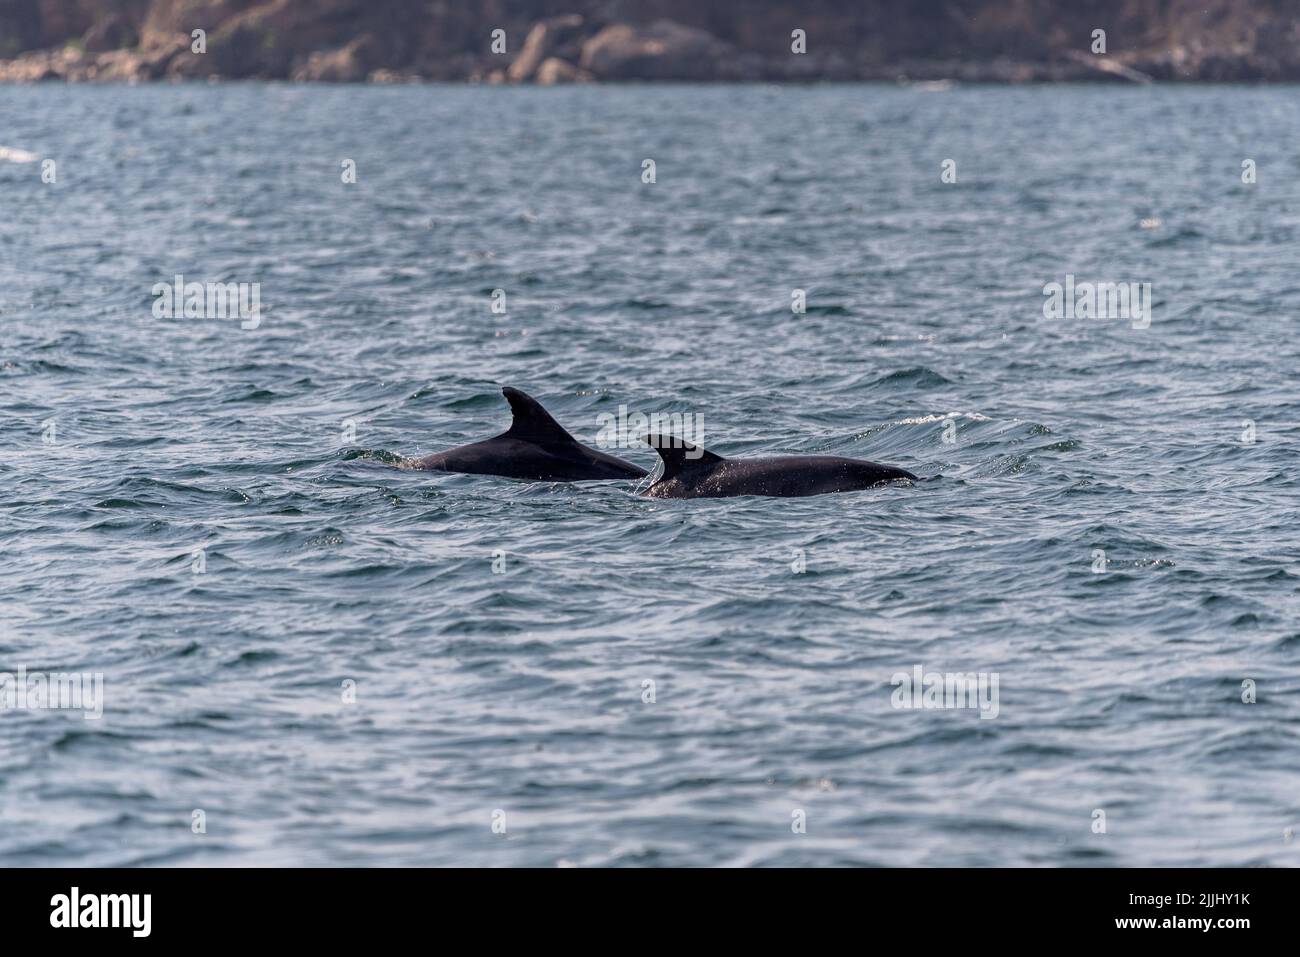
x=535, y=447
x=691, y=472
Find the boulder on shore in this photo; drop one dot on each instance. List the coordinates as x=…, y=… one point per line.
x=348, y=64
x=555, y=38
x=664, y=50
x=555, y=70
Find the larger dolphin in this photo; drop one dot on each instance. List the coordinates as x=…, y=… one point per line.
x=535, y=447
x=691, y=472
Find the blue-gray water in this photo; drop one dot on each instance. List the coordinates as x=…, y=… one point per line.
x=522, y=692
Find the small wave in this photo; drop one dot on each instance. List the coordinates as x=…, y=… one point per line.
x=383, y=456
x=943, y=417
x=251, y=658
x=1183, y=236
x=13, y=155
x=918, y=376
x=254, y=395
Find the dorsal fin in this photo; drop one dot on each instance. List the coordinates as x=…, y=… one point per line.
x=678, y=454
x=531, y=422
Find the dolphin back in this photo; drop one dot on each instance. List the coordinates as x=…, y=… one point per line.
x=679, y=455
x=534, y=448
x=530, y=422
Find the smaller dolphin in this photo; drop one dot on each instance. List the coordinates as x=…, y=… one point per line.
x=535, y=447
x=691, y=472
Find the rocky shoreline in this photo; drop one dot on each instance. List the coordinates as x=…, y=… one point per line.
x=346, y=42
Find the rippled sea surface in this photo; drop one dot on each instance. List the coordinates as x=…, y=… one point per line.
x=214, y=520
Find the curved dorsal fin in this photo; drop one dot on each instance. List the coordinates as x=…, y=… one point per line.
x=531, y=422
x=678, y=454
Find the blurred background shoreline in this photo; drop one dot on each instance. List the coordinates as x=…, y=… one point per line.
x=550, y=42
